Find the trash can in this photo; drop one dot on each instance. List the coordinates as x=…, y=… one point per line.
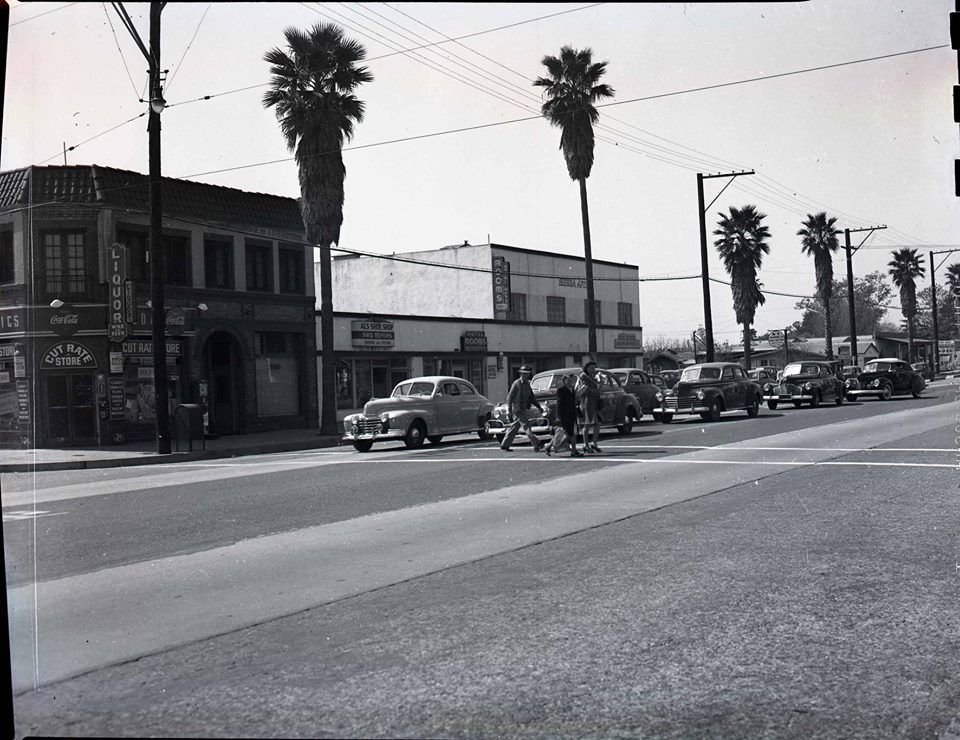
x=188, y=424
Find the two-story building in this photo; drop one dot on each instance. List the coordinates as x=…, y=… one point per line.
x=76, y=350
x=474, y=311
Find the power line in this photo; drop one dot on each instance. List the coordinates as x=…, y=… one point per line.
x=38, y=15
x=119, y=50
x=97, y=136
x=192, y=39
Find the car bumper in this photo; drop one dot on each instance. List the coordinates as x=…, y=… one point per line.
x=864, y=392
x=498, y=428
x=681, y=410
x=373, y=436
x=785, y=397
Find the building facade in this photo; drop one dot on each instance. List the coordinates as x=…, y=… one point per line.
x=76, y=350
x=474, y=311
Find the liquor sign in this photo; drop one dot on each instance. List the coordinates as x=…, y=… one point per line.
x=372, y=333
x=116, y=279
x=68, y=356
x=473, y=341
x=627, y=340
x=501, y=284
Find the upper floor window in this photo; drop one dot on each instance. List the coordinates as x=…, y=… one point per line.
x=596, y=312
x=6, y=256
x=218, y=262
x=624, y=314
x=291, y=270
x=137, y=243
x=518, y=307
x=259, y=258
x=177, y=252
x=556, y=309
x=63, y=263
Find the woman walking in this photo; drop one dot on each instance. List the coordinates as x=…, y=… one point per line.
x=588, y=396
x=566, y=417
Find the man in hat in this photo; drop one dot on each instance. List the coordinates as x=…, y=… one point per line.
x=519, y=400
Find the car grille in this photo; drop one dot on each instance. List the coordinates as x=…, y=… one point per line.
x=368, y=426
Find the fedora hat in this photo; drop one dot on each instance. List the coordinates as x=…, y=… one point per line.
x=526, y=369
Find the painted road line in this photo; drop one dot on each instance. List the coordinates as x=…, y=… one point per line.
x=789, y=449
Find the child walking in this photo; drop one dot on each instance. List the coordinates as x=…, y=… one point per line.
x=567, y=418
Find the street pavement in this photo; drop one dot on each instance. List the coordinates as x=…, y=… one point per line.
x=791, y=575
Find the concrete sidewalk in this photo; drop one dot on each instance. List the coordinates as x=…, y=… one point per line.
x=144, y=453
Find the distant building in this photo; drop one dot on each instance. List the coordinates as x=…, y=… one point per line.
x=81, y=373
x=476, y=311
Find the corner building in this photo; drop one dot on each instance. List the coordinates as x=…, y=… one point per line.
x=76, y=346
x=477, y=312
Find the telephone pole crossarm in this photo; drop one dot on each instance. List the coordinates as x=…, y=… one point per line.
x=850, y=251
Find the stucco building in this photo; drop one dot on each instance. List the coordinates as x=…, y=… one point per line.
x=76, y=365
x=474, y=311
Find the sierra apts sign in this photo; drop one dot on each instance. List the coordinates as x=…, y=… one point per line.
x=369, y=333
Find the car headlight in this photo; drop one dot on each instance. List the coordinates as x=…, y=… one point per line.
x=875, y=383
x=807, y=387
x=699, y=395
x=384, y=422
x=496, y=413
x=354, y=427
x=659, y=396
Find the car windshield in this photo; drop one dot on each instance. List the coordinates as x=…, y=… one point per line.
x=547, y=382
x=701, y=373
x=877, y=367
x=414, y=388
x=798, y=368
x=622, y=377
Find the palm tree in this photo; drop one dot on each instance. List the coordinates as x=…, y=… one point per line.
x=742, y=243
x=905, y=267
x=571, y=89
x=819, y=240
x=953, y=279
x=312, y=91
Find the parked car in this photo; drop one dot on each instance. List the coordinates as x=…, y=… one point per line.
x=709, y=389
x=641, y=384
x=763, y=375
x=806, y=382
x=924, y=370
x=885, y=377
x=620, y=409
x=670, y=377
x=420, y=408
x=851, y=380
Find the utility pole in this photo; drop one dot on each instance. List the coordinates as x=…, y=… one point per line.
x=704, y=269
x=157, y=255
x=786, y=346
x=850, y=252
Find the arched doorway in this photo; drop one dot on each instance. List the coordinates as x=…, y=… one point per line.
x=223, y=358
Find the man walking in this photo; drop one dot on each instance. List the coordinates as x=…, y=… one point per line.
x=519, y=400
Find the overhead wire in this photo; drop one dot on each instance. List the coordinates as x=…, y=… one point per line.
x=120, y=51
x=39, y=15
x=192, y=39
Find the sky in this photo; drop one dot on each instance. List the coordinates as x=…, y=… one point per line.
x=452, y=147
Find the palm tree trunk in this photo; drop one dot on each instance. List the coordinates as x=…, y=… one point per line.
x=828, y=331
x=746, y=346
x=328, y=378
x=588, y=263
x=910, y=339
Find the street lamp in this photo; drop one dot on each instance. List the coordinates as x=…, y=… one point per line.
x=56, y=303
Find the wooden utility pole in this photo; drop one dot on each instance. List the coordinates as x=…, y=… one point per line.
x=850, y=252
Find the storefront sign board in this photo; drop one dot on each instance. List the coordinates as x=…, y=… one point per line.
x=144, y=347
x=64, y=321
x=116, y=398
x=12, y=320
x=572, y=283
x=372, y=333
x=473, y=341
x=23, y=402
x=68, y=356
x=626, y=340
x=20, y=367
x=501, y=284
x=116, y=277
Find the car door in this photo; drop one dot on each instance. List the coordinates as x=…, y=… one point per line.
x=643, y=389
x=469, y=407
x=733, y=381
x=447, y=404
x=609, y=386
x=904, y=376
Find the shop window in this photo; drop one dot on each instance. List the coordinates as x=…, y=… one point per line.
x=518, y=307
x=137, y=243
x=65, y=273
x=625, y=314
x=6, y=256
x=259, y=262
x=344, y=375
x=556, y=309
x=596, y=312
x=272, y=343
x=177, y=252
x=218, y=263
x=291, y=270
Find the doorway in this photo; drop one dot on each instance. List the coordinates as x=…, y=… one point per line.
x=224, y=364
x=71, y=409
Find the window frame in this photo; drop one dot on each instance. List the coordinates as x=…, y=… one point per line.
x=622, y=309
x=517, y=300
x=556, y=309
x=66, y=277
x=8, y=258
x=287, y=255
x=214, y=245
x=262, y=249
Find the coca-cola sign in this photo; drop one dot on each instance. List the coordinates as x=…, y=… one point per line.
x=65, y=321
x=176, y=321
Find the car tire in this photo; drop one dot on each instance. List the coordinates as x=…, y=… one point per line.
x=714, y=413
x=772, y=405
x=363, y=445
x=415, y=435
x=886, y=391
x=815, y=401
x=797, y=404
x=656, y=416
x=754, y=408
x=435, y=438
x=666, y=418
x=482, y=431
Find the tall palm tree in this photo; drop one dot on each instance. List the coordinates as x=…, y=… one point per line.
x=741, y=244
x=819, y=240
x=571, y=89
x=953, y=279
x=905, y=267
x=312, y=92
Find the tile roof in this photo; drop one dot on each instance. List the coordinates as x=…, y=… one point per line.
x=128, y=189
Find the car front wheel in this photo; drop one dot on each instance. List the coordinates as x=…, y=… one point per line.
x=666, y=418
x=772, y=405
x=435, y=438
x=815, y=401
x=415, y=435
x=363, y=445
x=627, y=426
x=886, y=392
x=714, y=413
x=754, y=408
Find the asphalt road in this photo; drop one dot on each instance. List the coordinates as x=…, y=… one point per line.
x=791, y=575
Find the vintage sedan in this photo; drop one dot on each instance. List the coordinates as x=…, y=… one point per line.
x=762, y=375
x=620, y=409
x=806, y=382
x=641, y=384
x=709, y=389
x=851, y=380
x=418, y=409
x=885, y=377
x=670, y=377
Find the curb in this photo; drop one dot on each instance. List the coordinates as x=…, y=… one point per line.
x=173, y=457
